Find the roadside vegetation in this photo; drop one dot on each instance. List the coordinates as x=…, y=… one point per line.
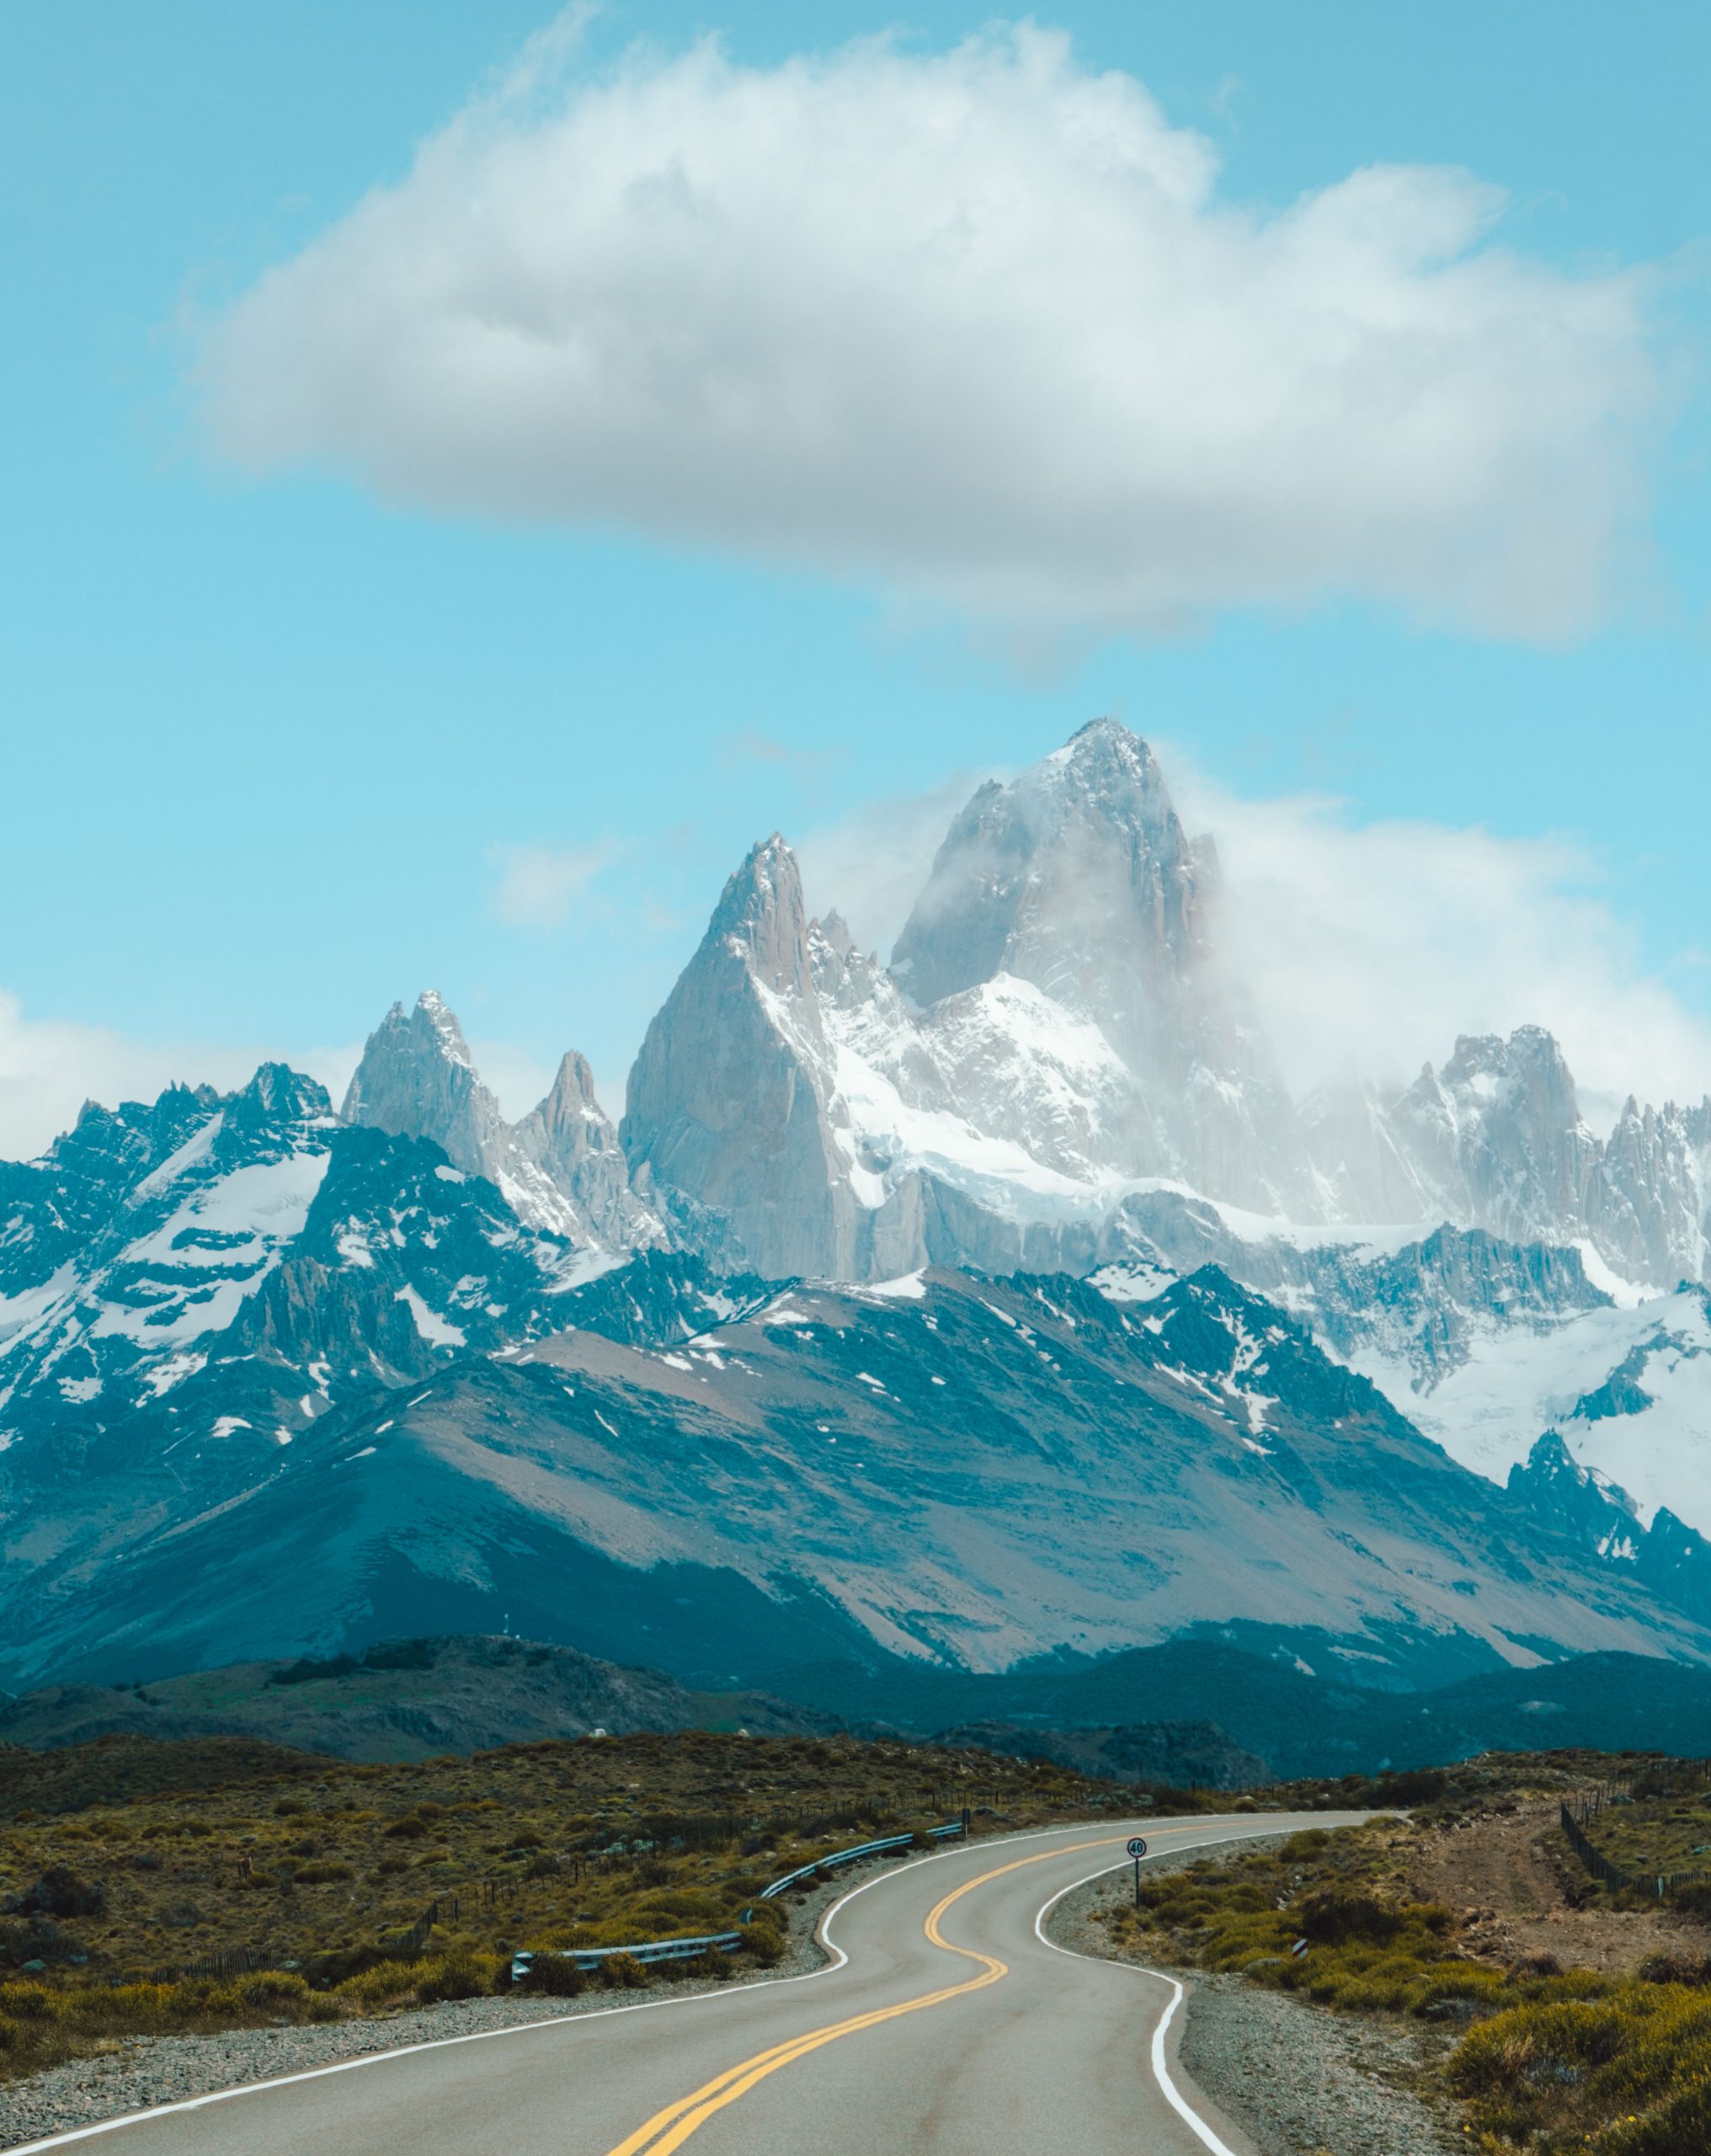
x=1543, y=2055
x=158, y=1897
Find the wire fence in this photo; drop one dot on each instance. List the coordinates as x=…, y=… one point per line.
x=1578, y=1816
x=480, y=1898
x=228, y=1961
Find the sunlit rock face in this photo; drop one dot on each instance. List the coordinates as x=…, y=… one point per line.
x=1054, y=1038
x=1052, y=1024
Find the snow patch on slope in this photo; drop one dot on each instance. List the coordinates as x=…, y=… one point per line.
x=1651, y=1434
x=437, y=1330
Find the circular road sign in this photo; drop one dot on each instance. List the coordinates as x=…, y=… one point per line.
x=1138, y=1846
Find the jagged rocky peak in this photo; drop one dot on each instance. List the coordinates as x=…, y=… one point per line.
x=276, y=1097
x=1671, y=1558
x=1650, y=1208
x=1079, y=880
x=763, y=920
x=56, y=1207
x=113, y=1145
x=570, y=1144
x=560, y=1168
x=1578, y=1501
x=1077, y=876
x=1496, y=1137
x=726, y=1119
x=570, y=1105
x=1526, y=1076
x=1049, y=1014
x=845, y=976
x=417, y=1079
x=433, y=1011
x=1057, y=1024
x=569, y=1125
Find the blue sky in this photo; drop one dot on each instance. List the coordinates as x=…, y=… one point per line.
x=284, y=740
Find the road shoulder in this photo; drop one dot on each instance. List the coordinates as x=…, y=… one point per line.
x=1295, y=2079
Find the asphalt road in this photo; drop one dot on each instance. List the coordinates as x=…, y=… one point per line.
x=949, y=2027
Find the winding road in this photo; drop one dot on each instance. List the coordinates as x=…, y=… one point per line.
x=948, y=2024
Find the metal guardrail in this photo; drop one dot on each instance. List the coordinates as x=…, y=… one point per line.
x=861, y=1848
x=589, y=1959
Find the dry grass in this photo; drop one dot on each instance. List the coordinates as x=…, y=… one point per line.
x=131, y=1918
x=1556, y=2059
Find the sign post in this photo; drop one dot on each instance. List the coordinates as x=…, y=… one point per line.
x=1138, y=1850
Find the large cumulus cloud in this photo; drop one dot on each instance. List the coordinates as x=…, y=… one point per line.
x=976, y=326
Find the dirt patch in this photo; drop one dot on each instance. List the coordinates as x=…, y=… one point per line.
x=1513, y=1884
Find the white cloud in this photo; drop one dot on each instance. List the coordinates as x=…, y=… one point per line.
x=1369, y=947
x=48, y=1067
x=978, y=326
x=516, y=1075
x=539, y=884
x=872, y=865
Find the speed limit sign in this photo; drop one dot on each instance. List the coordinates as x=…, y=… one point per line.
x=1138, y=1846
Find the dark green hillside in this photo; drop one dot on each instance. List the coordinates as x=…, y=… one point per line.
x=400, y=1700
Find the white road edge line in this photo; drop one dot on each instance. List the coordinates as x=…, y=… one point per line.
x=1161, y=2070
x=551, y=2021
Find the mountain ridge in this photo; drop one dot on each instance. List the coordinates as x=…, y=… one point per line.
x=1055, y=1081
x=962, y=1470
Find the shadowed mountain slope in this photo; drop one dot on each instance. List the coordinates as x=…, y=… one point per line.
x=959, y=1471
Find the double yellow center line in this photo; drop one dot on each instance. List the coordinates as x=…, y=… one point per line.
x=671, y=2128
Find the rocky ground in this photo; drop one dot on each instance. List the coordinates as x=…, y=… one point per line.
x=1306, y=2083
x=1299, y=2081
x=141, y=2071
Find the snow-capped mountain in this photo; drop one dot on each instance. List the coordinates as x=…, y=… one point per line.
x=1495, y=1140
x=1079, y=881
x=1053, y=1033
x=1054, y=1043
x=1626, y=1385
x=1055, y=1074
x=1661, y=1554
x=1484, y=1344
x=140, y=1236
x=240, y=1263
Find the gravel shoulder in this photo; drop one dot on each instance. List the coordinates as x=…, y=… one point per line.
x=142, y=2071
x=1297, y=2079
